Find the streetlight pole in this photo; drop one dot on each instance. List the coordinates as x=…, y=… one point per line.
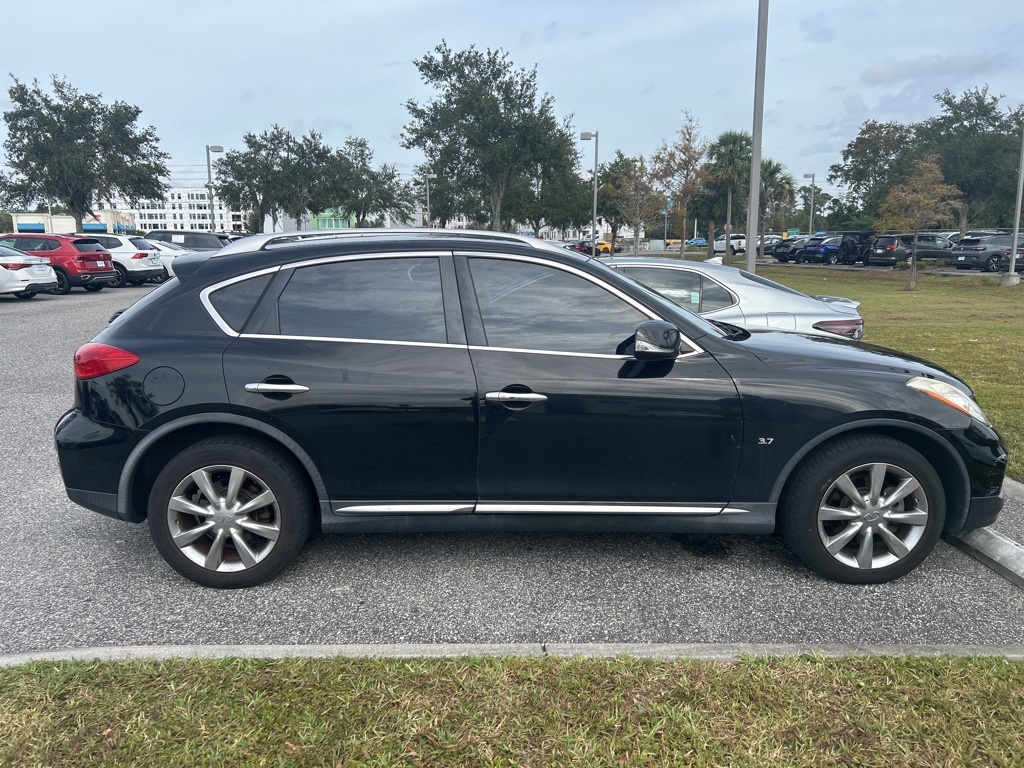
x=754, y=208
x=810, y=227
x=1012, y=277
x=587, y=136
x=209, y=177
x=427, y=177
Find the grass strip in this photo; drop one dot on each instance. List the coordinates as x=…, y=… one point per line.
x=807, y=710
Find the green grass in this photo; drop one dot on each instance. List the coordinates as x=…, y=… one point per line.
x=803, y=711
x=968, y=324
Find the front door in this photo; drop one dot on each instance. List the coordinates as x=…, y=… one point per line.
x=570, y=420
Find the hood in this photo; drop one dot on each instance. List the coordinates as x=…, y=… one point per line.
x=798, y=351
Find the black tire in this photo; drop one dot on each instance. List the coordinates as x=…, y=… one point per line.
x=122, y=277
x=832, y=258
x=138, y=282
x=160, y=278
x=94, y=287
x=799, y=260
x=782, y=259
x=992, y=265
x=63, y=284
x=244, y=556
x=817, y=513
x=26, y=295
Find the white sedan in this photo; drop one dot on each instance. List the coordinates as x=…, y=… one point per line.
x=23, y=274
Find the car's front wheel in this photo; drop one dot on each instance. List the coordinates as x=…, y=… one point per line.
x=832, y=258
x=229, y=512
x=863, y=509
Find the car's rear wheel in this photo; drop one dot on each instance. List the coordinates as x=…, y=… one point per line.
x=94, y=287
x=26, y=295
x=229, y=512
x=121, y=280
x=833, y=258
x=863, y=509
x=63, y=284
x=992, y=265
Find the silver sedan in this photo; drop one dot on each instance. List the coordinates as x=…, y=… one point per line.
x=735, y=296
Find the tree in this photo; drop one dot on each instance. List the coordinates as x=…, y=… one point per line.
x=304, y=172
x=923, y=200
x=374, y=193
x=487, y=121
x=612, y=177
x=730, y=157
x=254, y=179
x=881, y=155
x=71, y=148
x=636, y=198
x=679, y=167
x=778, y=191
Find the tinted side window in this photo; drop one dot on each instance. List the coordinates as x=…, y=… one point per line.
x=379, y=299
x=714, y=297
x=533, y=306
x=235, y=302
x=680, y=286
x=88, y=246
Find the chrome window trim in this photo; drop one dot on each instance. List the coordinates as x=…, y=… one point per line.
x=404, y=508
x=390, y=342
x=594, y=355
x=586, y=276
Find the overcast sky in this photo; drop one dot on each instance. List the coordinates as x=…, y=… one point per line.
x=208, y=72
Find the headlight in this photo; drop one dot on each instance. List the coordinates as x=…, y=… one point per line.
x=948, y=394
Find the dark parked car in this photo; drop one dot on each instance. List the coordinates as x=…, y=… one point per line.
x=193, y=241
x=788, y=248
x=990, y=253
x=819, y=250
x=889, y=250
x=855, y=246
x=395, y=381
x=76, y=260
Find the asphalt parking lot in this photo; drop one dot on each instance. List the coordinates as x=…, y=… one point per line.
x=75, y=579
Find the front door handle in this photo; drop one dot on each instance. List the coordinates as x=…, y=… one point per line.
x=262, y=388
x=514, y=397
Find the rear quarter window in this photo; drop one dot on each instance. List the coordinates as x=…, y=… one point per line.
x=235, y=302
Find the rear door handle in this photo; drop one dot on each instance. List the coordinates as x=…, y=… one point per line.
x=276, y=389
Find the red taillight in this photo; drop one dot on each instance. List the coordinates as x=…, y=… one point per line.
x=94, y=360
x=891, y=247
x=141, y=256
x=852, y=328
x=14, y=266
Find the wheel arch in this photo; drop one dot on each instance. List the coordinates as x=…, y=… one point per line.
x=155, y=449
x=939, y=453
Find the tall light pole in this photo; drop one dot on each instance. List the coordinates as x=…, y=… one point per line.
x=754, y=208
x=1012, y=277
x=810, y=228
x=427, y=177
x=587, y=136
x=209, y=177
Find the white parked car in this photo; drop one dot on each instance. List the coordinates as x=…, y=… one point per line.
x=738, y=242
x=168, y=252
x=135, y=258
x=23, y=274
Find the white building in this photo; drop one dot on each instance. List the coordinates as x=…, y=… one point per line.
x=182, y=208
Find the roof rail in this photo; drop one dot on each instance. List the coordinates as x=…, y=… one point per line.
x=263, y=242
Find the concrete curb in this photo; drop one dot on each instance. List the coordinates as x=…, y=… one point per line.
x=1013, y=489
x=724, y=652
x=1000, y=553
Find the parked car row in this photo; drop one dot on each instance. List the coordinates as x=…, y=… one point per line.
x=406, y=381
x=37, y=263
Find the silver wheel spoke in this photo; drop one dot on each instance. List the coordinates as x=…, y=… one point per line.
x=216, y=554
x=184, y=538
x=247, y=555
x=906, y=487
x=836, y=543
x=836, y=513
x=181, y=504
x=893, y=542
x=234, y=485
x=265, y=499
x=202, y=479
x=865, y=554
x=915, y=517
x=878, y=472
x=845, y=484
x=270, y=532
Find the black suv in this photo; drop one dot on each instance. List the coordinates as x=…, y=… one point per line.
x=855, y=246
x=398, y=381
x=888, y=250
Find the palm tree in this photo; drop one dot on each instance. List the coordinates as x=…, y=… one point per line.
x=778, y=191
x=730, y=163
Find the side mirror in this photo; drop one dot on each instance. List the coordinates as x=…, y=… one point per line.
x=656, y=340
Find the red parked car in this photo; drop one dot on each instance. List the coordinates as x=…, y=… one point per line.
x=76, y=260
